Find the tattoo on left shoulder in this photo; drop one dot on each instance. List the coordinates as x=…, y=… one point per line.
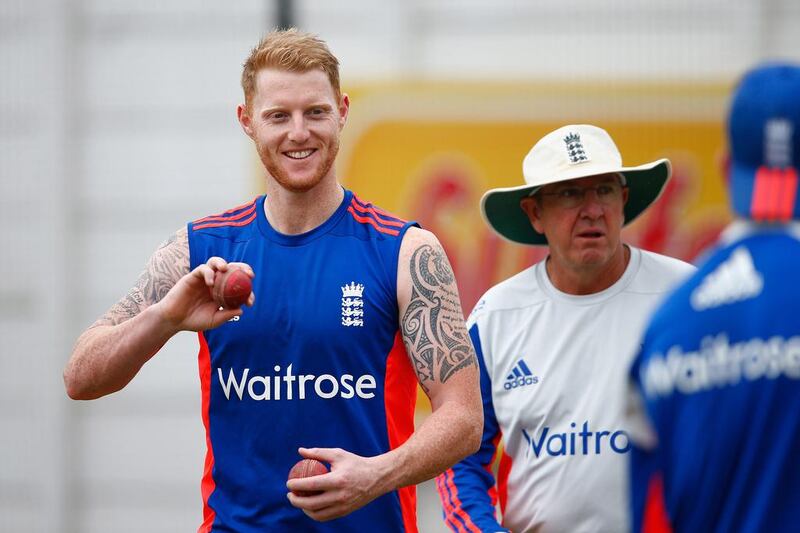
x=433, y=325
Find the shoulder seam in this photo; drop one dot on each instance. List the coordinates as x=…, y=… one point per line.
x=488, y=309
x=234, y=214
x=238, y=216
x=362, y=205
x=381, y=221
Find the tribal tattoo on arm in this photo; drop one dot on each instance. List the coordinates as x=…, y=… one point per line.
x=166, y=266
x=433, y=325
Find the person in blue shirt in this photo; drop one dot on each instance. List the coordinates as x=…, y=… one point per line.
x=354, y=307
x=717, y=379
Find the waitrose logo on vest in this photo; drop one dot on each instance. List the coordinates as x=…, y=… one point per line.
x=583, y=441
x=290, y=386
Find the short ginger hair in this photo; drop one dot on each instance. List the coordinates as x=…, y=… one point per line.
x=292, y=50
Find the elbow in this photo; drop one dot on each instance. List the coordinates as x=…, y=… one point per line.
x=75, y=389
x=476, y=434
x=77, y=393
x=78, y=381
x=472, y=427
x=476, y=425
x=72, y=388
x=472, y=432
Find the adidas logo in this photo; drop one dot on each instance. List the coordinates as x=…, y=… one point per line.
x=734, y=280
x=520, y=376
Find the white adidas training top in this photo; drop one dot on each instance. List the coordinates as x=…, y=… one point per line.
x=558, y=367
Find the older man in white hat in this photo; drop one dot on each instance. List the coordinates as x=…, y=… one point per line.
x=555, y=341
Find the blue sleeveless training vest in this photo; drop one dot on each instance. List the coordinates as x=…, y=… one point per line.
x=318, y=361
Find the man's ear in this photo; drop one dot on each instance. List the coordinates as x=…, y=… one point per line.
x=344, y=110
x=244, y=119
x=531, y=207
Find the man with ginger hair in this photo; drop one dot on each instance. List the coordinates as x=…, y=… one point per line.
x=355, y=307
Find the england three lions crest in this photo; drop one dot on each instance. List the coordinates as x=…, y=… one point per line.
x=575, y=150
x=353, y=304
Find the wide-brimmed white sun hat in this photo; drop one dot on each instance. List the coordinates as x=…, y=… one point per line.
x=568, y=153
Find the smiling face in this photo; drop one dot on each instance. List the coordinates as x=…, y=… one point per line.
x=584, y=232
x=295, y=120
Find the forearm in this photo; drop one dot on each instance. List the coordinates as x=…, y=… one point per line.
x=448, y=435
x=106, y=357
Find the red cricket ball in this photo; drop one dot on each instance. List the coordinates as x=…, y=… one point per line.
x=232, y=288
x=307, y=468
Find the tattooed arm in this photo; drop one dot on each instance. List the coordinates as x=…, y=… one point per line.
x=433, y=327
x=441, y=353
x=167, y=298
x=442, y=356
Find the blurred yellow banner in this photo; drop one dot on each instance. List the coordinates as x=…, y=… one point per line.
x=429, y=151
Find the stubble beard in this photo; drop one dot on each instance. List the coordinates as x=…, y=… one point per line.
x=280, y=175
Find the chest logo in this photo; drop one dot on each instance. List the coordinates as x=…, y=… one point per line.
x=353, y=305
x=520, y=376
